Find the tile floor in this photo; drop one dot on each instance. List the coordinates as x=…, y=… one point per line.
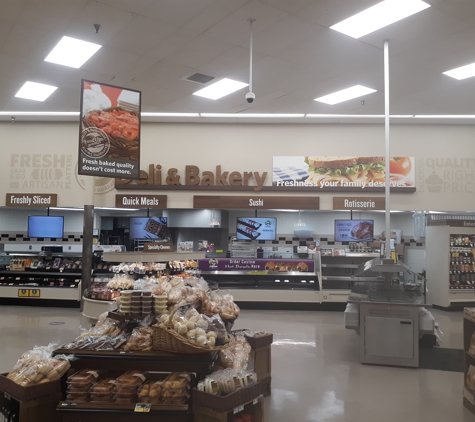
x=316, y=375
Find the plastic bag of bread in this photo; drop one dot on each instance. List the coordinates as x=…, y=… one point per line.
x=141, y=337
x=221, y=302
x=236, y=355
x=217, y=326
x=37, y=366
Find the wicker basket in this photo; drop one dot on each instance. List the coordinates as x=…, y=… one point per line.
x=168, y=340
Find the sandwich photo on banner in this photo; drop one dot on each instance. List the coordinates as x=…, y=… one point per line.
x=342, y=171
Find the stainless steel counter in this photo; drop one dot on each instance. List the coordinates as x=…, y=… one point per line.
x=379, y=293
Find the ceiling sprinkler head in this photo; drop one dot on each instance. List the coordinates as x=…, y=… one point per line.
x=97, y=26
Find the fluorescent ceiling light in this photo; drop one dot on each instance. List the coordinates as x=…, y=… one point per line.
x=444, y=116
x=357, y=116
x=379, y=16
x=253, y=115
x=72, y=52
x=462, y=72
x=220, y=89
x=39, y=113
x=35, y=91
x=345, y=94
x=170, y=114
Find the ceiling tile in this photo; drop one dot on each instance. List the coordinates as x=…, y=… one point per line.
x=136, y=6
x=235, y=28
x=176, y=12
x=289, y=6
x=11, y=9
x=180, y=38
x=110, y=61
x=199, y=51
x=141, y=35
x=29, y=42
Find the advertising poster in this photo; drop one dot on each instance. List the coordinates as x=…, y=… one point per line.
x=336, y=172
x=109, y=131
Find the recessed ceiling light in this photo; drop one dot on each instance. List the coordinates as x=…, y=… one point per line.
x=220, y=89
x=379, y=16
x=72, y=52
x=35, y=91
x=462, y=72
x=253, y=115
x=345, y=94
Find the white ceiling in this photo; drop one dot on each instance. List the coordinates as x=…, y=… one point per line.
x=153, y=45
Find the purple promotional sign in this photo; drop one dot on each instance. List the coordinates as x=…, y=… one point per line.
x=250, y=264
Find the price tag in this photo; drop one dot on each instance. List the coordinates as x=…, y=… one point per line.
x=2, y=278
x=143, y=407
x=7, y=396
x=238, y=409
x=48, y=268
x=17, y=279
x=256, y=400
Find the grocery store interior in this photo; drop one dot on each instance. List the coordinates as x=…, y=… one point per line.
x=248, y=260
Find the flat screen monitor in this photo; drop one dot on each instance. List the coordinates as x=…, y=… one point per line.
x=354, y=230
x=262, y=228
x=149, y=228
x=45, y=226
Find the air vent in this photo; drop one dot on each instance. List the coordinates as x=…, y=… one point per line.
x=199, y=78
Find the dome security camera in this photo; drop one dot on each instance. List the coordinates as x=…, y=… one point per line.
x=250, y=97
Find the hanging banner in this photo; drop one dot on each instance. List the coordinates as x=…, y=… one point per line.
x=109, y=131
x=342, y=172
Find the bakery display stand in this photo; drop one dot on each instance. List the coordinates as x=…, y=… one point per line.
x=450, y=263
x=40, y=409
x=201, y=364
x=93, y=307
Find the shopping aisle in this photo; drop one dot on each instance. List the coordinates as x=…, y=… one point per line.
x=316, y=375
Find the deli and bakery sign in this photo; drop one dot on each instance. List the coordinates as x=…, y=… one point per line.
x=144, y=201
x=256, y=202
x=358, y=203
x=31, y=200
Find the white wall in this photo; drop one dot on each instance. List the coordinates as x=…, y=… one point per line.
x=445, y=150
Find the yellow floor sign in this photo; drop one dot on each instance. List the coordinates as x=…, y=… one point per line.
x=29, y=293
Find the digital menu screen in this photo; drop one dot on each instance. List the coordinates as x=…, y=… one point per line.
x=354, y=230
x=256, y=228
x=45, y=226
x=149, y=228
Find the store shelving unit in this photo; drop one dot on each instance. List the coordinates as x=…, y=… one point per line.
x=41, y=284
x=201, y=364
x=449, y=278
x=468, y=331
x=337, y=274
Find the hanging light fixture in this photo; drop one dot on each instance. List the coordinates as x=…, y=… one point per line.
x=301, y=230
x=213, y=222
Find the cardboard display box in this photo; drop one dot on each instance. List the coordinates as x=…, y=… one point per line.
x=254, y=408
x=260, y=362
